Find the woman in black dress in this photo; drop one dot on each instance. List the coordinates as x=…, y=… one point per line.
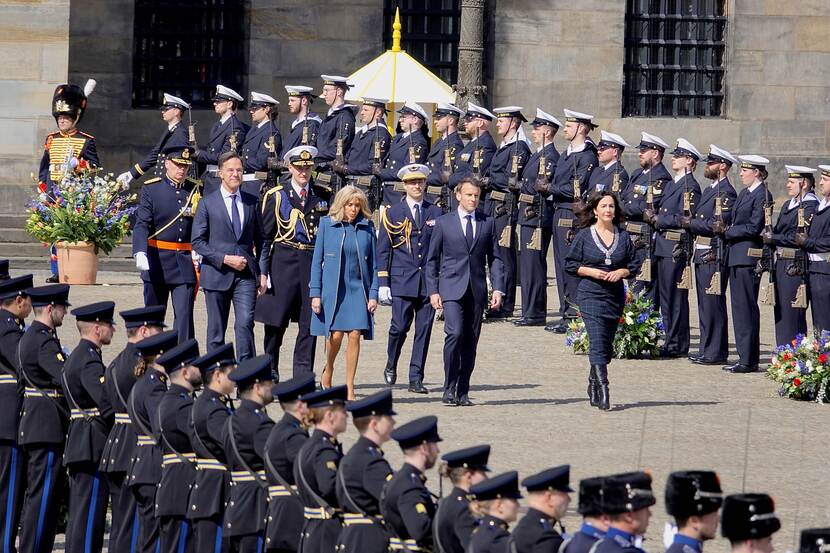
x=603, y=256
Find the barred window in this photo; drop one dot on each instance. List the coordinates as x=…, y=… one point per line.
x=430, y=31
x=674, y=58
x=186, y=48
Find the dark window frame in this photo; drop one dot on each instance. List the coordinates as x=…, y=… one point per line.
x=675, y=58
x=186, y=48
x=430, y=31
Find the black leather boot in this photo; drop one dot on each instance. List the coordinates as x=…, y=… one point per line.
x=604, y=399
x=593, y=386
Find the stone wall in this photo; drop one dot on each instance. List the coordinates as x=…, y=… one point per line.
x=557, y=53
x=34, y=44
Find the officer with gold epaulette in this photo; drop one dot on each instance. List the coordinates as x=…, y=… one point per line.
x=178, y=466
x=210, y=412
x=90, y=421
x=306, y=124
x=161, y=238
x=711, y=271
x=15, y=306
x=226, y=135
x=66, y=150
x=535, y=219
x=403, y=244
x=369, y=149
x=263, y=142
x=362, y=474
x=246, y=432
x=175, y=135
x=45, y=417
x=120, y=448
x=441, y=157
x=409, y=146
x=291, y=213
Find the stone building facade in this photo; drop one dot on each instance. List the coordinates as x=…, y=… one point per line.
x=547, y=53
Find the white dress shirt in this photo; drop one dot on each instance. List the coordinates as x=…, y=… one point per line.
x=297, y=189
x=226, y=197
x=463, y=215
x=412, y=203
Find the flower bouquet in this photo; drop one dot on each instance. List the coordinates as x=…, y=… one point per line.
x=638, y=334
x=86, y=206
x=802, y=368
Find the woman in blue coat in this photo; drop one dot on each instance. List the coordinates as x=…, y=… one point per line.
x=344, y=284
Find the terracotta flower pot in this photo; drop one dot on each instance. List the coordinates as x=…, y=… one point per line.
x=77, y=262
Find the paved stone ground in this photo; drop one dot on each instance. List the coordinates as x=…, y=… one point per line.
x=530, y=400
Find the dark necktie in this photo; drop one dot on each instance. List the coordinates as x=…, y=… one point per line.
x=468, y=231
x=235, y=222
x=416, y=215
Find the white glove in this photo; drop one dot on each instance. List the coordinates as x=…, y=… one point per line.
x=126, y=177
x=669, y=530
x=142, y=262
x=197, y=259
x=385, y=295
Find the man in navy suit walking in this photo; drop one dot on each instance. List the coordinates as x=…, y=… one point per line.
x=227, y=233
x=463, y=242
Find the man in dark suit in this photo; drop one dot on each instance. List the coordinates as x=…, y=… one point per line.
x=227, y=233
x=463, y=241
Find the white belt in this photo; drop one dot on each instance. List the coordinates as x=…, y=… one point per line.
x=213, y=168
x=249, y=177
x=701, y=247
x=820, y=257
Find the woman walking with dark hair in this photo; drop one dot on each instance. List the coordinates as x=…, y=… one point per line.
x=603, y=256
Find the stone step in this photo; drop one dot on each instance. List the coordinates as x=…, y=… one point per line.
x=19, y=234
x=117, y=264
x=12, y=220
x=11, y=250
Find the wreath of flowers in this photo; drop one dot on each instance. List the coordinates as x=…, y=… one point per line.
x=802, y=368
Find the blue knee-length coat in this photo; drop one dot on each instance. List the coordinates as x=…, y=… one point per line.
x=325, y=269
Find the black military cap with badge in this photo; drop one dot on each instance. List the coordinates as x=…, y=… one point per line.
x=157, y=344
x=180, y=155
x=815, y=540
x=17, y=286
x=693, y=493
x=222, y=356
x=627, y=492
x=99, y=312
x=180, y=356
x=417, y=432
x=502, y=486
x=471, y=458
x=254, y=370
x=748, y=516
x=329, y=397
x=152, y=315
x=51, y=294
x=553, y=479
x=591, y=496
x=291, y=390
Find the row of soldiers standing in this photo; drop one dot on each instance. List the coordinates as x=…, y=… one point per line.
x=187, y=472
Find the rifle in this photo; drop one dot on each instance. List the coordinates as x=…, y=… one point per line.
x=714, y=288
x=375, y=189
x=273, y=163
x=233, y=140
x=799, y=264
x=686, y=244
x=646, y=235
x=339, y=158
x=446, y=172
x=541, y=175
x=477, y=157
x=304, y=140
x=767, y=261
x=616, y=180
x=511, y=195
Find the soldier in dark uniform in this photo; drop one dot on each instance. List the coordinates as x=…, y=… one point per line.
x=90, y=422
x=506, y=169
x=45, y=417
x=306, y=125
x=161, y=239
x=441, y=157
x=748, y=521
x=291, y=213
x=569, y=184
x=315, y=469
x=262, y=142
x=144, y=474
x=496, y=500
x=246, y=432
x=285, y=510
x=627, y=499
x=408, y=147
x=208, y=417
x=368, y=151
x=535, y=219
x=693, y=498
x=403, y=243
x=594, y=520
x=680, y=198
x=743, y=237
x=362, y=474
x=814, y=540
x=646, y=184
x=66, y=150
x=178, y=466
x=609, y=174
x=711, y=273
x=175, y=136
x=790, y=304
x=407, y=504
x=454, y=522
x=548, y=497
x=816, y=243
x=120, y=448
x=226, y=135
x=474, y=159
x=334, y=137
x=15, y=306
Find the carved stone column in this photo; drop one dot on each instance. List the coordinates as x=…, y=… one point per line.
x=470, y=84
